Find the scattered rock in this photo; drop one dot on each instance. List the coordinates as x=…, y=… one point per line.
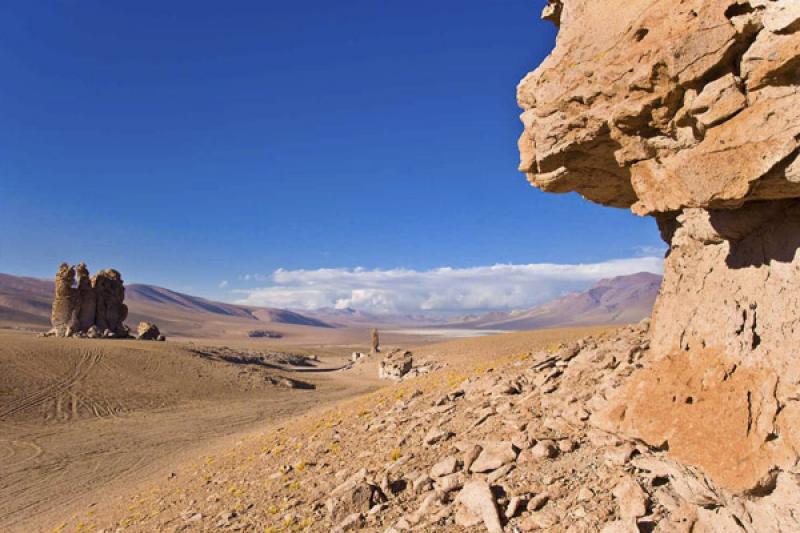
x=436, y=435
x=355, y=495
x=477, y=499
x=544, y=449
x=631, y=499
x=494, y=454
x=446, y=466
x=148, y=332
x=395, y=365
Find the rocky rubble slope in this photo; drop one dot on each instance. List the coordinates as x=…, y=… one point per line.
x=690, y=112
x=514, y=445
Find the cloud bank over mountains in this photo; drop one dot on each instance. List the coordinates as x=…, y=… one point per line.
x=440, y=291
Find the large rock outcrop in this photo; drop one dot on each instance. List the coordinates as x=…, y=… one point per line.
x=86, y=306
x=690, y=112
x=64, y=315
x=111, y=311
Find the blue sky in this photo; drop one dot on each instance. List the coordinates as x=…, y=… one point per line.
x=188, y=143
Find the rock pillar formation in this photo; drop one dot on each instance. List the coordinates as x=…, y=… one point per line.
x=93, y=307
x=111, y=312
x=87, y=298
x=64, y=315
x=690, y=112
x=376, y=341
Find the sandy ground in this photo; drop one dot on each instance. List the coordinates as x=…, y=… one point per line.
x=86, y=423
x=83, y=421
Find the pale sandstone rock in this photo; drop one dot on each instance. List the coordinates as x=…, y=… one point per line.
x=64, y=315
x=395, y=365
x=497, y=475
x=545, y=520
x=147, y=331
x=689, y=112
x=353, y=497
x=631, y=499
x=352, y=522
x=607, y=114
x=471, y=452
x=450, y=483
x=567, y=445
x=544, y=449
x=436, y=435
x=465, y=518
x=422, y=483
x=494, y=455
x=619, y=526
x=477, y=498
x=86, y=306
x=446, y=466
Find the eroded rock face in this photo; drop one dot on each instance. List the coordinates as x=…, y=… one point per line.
x=723, y=336
x=110, y=291
x=662, y=105
x=690, y=112
x=64, y=315
x=85, y=306
x=396, y=365
x=87, y=299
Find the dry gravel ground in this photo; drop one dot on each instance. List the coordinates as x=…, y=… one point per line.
x=169, y=473
x=505, y=436
x=82, y=422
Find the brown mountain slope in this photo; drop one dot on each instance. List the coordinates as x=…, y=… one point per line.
x=620, y=300
x=25, y=303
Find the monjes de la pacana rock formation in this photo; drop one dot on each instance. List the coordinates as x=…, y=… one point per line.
x=689, y=112
x=88, y=306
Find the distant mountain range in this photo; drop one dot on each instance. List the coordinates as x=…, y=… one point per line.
x=348, y=317
x=25, y=302
x=620, y=300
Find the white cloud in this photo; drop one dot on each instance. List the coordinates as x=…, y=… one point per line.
x=223, y=284
x=442, y=290
x=651, y=251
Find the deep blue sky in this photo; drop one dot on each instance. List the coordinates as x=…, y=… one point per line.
x=187, y=142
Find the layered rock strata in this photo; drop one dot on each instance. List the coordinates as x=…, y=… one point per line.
x=690, y=112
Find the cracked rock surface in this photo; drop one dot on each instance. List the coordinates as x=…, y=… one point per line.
x=690, y=112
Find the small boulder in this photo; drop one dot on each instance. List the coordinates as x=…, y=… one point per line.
x=436, y=435
x=631, y=498
x=494, y=455
x=544, y=449
x=354, y=497
x=396, y=365
x=477, y=499
x=444, y=467
x=147, y=331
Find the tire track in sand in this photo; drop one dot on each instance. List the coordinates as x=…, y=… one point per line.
x=84, y=365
